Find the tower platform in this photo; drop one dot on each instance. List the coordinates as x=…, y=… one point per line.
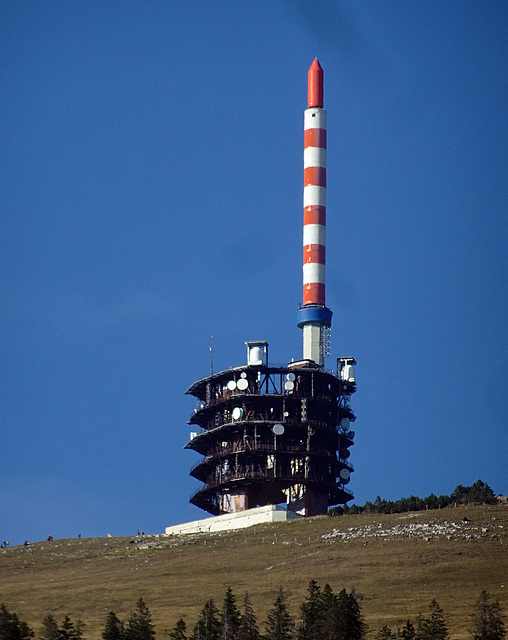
x=272, y=434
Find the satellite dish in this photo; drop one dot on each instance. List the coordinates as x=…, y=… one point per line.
x=278, y=429
x=344, y=475
x=231, y=385
x=291, y=376
x=243, y=374
x=237, y=413
x=289, y=385
x=242, y=384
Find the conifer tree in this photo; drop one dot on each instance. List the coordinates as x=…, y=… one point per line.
x=20, y=630
x=385, y=633
x=408, y=632
x=179, y=631
x=50, y=629
x=208, y=626
x=312, y=613
x=12, y=628
x=5, y=619
x=248, y=624
x=433, y=627
x=25, y=632
x=67, y=631
x=331, y=623
x=487, y=620
x=279, y=624
x=349, y=617
x=230, y=617
x=114, y=628
x=78, y=629
x=139, y=625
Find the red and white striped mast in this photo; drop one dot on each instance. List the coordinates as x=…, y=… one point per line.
x=313, y=316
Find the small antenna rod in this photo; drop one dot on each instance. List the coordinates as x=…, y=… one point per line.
x=211, y=354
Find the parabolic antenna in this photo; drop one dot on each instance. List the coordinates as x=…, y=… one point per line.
x=237, y=413
x=242, y=384
x=278, y=429
x=243, y=374
x=344, y=475
x=289, y=385
x=231, y=385
x=291, y=376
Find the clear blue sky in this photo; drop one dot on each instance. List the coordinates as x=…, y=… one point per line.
x=151, y=195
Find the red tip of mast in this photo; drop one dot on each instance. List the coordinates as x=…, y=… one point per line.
x=315, y=85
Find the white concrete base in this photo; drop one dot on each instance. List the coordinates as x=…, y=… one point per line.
x=231, y=521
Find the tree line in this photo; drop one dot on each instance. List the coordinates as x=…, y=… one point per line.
x=324, y=615
x=477, y=493
x=12, y=628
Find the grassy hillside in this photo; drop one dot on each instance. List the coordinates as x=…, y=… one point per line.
x=397, y=563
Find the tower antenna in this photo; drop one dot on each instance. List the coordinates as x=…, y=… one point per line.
x=314, y=317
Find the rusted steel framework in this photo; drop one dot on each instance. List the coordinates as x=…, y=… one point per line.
x=272, y=434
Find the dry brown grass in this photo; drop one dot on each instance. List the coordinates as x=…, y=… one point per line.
x=396, y=575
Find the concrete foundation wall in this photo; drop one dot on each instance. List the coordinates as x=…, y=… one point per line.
x=231, y=521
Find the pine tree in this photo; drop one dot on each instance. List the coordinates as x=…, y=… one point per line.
x=50, y=629
x=139, y=625
x=78, y=630
x=208, y=626
x=331, y=622
x=12, y=628
x=114, y=628
x=408, y=631
x=230, y=617
x=433, y=627
x=67, y=631
x=487, y=620
x=279, y=625
x=312, y=613
x=178, y=632
x=248, y=624
x=349, y=617
x=23, y=631
x=5, y=618
x=385, y=634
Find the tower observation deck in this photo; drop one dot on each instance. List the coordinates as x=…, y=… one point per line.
x=273, y=434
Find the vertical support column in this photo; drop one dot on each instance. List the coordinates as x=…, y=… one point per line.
x=314, y=207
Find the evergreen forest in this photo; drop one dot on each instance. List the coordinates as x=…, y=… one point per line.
x=324, y=615
x=477, y=493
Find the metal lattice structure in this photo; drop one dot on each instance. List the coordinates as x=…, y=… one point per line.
x=271, y=434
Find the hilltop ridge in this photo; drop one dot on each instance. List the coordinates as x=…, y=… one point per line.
x=396, y=562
